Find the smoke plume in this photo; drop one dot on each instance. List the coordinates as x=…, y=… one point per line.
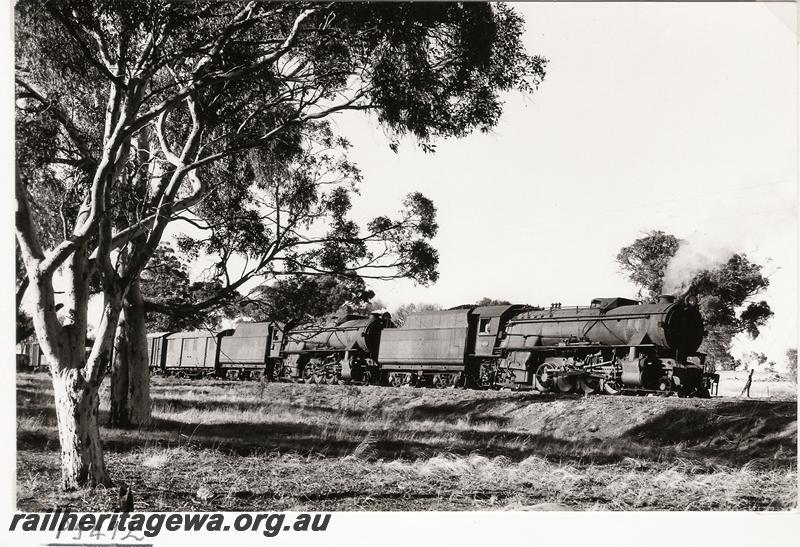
x=692, y=258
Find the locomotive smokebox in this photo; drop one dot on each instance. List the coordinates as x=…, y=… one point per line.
x=683, y=328
x=666, y=299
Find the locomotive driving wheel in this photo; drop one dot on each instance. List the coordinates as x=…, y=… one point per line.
x=545, y=377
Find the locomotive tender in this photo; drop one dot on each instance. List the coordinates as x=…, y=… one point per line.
x=613, y=345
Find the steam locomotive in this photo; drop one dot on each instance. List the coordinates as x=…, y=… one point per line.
x=613, y=345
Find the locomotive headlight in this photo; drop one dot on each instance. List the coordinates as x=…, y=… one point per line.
x=691, y=300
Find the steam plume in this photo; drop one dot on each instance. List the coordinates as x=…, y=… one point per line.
x=692, y=258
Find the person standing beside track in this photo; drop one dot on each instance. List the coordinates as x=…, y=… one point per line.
x=748, y=384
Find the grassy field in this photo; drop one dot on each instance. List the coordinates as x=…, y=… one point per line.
x=217, y=445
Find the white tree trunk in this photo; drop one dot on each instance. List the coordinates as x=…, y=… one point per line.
x=130, y=374
x=76, y=376
x=77, y=403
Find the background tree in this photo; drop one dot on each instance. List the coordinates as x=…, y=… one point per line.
x=726, y=292
x=486, y=301
x=146, y=99
x=402, y=312
x=791, y=363
x=291, y=219
x=754, y=359
x=302, y=298
x=169, y=294
x=645, y=262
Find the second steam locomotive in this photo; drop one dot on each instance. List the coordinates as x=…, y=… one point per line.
x=613, y=345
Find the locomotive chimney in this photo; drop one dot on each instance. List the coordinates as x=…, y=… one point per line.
x=666, y=299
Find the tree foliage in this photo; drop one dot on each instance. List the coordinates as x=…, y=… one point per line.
x=726, y=292
x=754, y=359
x=304, y=298
x=170, y=294
x=645, y=262
x=287, y=213
x=486, y=301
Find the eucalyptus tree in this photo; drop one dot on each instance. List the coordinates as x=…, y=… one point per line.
x=148, y=97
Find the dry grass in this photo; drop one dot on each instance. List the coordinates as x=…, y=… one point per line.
x=294, y=447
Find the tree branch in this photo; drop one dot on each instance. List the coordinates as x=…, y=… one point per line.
x=28, y=241
x=61, y=117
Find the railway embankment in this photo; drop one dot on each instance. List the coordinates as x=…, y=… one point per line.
x=298, y=446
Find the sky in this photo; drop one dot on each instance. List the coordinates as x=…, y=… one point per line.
x=673, y=117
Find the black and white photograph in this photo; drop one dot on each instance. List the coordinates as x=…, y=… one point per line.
x=284, y=270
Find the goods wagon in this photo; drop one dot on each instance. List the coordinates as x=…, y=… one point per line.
x=30, y=357
x=193, y=353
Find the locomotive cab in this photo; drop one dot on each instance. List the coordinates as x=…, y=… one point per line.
x=490, y=330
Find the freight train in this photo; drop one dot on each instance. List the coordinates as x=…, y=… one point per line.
x=612, y=345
